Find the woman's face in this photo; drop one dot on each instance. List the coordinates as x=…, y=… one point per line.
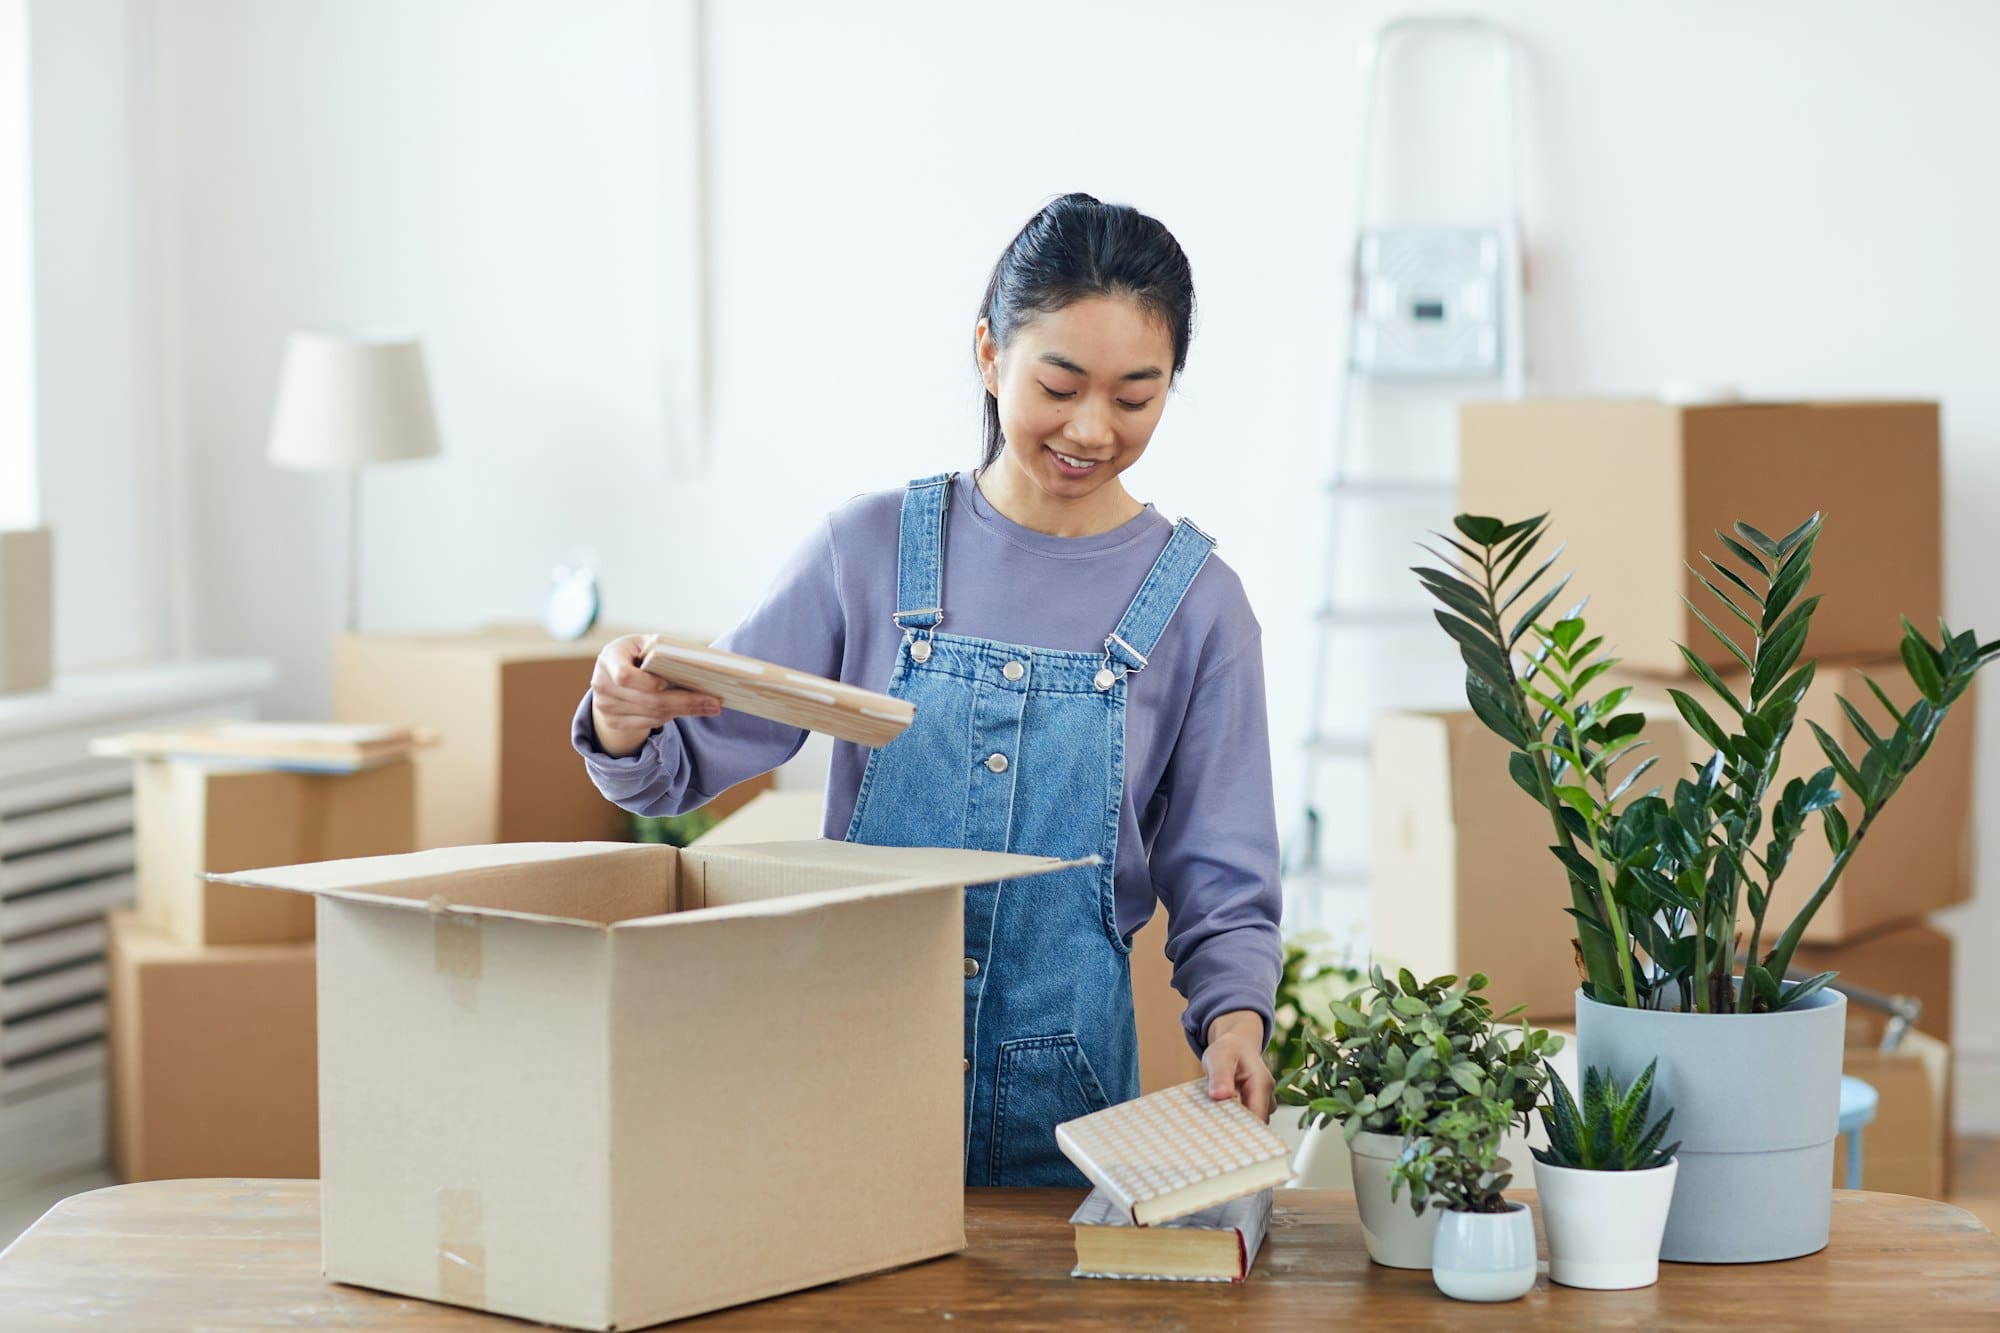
x=1080, y=391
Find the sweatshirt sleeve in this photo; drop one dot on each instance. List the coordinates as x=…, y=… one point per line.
x=798, y=623
x=1214, y=849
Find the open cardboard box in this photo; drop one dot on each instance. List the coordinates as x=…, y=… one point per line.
x=605, y=1085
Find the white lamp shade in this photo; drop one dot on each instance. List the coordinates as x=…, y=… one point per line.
x=349, y=402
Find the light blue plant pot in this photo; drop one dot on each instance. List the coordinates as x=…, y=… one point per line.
x=1484, y=1256
x=1756, y=1103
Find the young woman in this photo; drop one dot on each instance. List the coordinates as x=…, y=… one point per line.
x=1088, y=678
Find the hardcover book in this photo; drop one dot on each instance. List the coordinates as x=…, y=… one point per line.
x=1175, y=1152
x=1215, y=1245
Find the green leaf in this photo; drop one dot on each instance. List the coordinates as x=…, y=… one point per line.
x=1727, y=601
x=1726, y=572
x=1841, y=763
x=1835, y=824
x=1477, y=528
x=1745, y=554
x=1498, y=711
x=1921, y=660
x=1859, y=723
x=1882, y=698
x=1697, y=717
x=1528, y=617
x=1764, y=545
x=1799, y=990
x=1459, y=596
x=1479, y=651
x=1707, y=675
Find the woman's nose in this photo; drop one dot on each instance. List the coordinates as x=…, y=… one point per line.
x=1090, y=426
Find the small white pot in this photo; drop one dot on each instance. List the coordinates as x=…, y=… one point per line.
x=1484, y=1256
x=1397, y=1237
x=1604, y=1227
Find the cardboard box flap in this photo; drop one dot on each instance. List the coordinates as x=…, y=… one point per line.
x=579, y=883
x=864, y=862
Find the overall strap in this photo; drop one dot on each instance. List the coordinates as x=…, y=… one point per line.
x=920, y=553
x=1159, y=597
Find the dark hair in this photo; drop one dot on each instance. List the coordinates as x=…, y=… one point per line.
x=1079, y=247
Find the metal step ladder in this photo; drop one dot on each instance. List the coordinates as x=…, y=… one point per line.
x=1436, y=309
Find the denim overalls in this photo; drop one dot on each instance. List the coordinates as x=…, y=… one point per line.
x=1021, y=749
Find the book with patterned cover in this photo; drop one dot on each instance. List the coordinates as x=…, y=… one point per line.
x=1214, y=1245
x=1175, y=1152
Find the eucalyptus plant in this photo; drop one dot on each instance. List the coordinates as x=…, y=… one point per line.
x=1664, y=890
x=1399, y=1049
x=1456, y=1162
x=1609, y=1132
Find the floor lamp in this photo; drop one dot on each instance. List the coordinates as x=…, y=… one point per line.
x=348, y=403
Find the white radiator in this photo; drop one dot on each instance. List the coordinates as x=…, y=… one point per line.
x=66, y=857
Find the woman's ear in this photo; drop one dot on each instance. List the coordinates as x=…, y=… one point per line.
x=984, y=348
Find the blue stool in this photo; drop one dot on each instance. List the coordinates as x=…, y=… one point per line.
x=1857, y=1108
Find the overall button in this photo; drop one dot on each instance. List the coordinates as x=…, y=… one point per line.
x=965, y=1062
x=972, y=967
x=996, y=763
x=1103, y=680
x=1013, y=671
x=920, y=651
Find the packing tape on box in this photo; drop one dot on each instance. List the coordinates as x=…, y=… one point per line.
x=457, y=954
x=461, y=1249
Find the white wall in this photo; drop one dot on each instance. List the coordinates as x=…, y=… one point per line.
x=1789, y=196
x=19, y=501
x=98, y=282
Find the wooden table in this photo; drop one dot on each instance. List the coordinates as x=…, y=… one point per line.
x=244, y=1254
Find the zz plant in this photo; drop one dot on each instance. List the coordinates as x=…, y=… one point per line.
x=1665, y=891
x=1398, y=1049
x=1609, y=1132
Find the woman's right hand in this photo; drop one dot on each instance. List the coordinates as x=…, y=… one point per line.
x=628, y=704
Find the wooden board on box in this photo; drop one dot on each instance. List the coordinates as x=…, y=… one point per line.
x=314, y=747
x=770, y=690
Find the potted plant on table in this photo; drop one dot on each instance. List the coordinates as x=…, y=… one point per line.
x=1604, y=1182
x=1398, y=1050
x=1484, y=1245
x=1665, y=892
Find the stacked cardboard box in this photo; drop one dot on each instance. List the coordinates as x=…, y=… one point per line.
x=211, y=985
x=27, y=639
x=1636, y=492
x=500, y=700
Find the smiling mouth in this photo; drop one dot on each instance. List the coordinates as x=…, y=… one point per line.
x=1081, y=464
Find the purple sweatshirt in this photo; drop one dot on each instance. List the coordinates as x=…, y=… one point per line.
x=1198, y=831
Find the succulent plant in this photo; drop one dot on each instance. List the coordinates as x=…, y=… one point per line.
x=1609, y=1132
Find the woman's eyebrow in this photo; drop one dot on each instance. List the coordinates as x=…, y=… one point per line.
x=1064, y=363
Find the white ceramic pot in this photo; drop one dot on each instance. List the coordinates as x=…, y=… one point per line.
x=1604, y=1227
x=1484, y=1256
x=1397, y=1237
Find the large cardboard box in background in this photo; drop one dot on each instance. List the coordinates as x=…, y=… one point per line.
x=1637, y=490
x=501, y=700
x=605, y=1085
x=1463, y=879
x=194, y=816
x=211, y=1054
x=1913, y=960
x=1917, y=856
x=27, y=609
x=1907, y=1148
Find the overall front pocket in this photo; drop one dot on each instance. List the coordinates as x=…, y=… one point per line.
x=1042, y=1081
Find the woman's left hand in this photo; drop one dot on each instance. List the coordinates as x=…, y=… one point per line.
x=1235, y=1061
